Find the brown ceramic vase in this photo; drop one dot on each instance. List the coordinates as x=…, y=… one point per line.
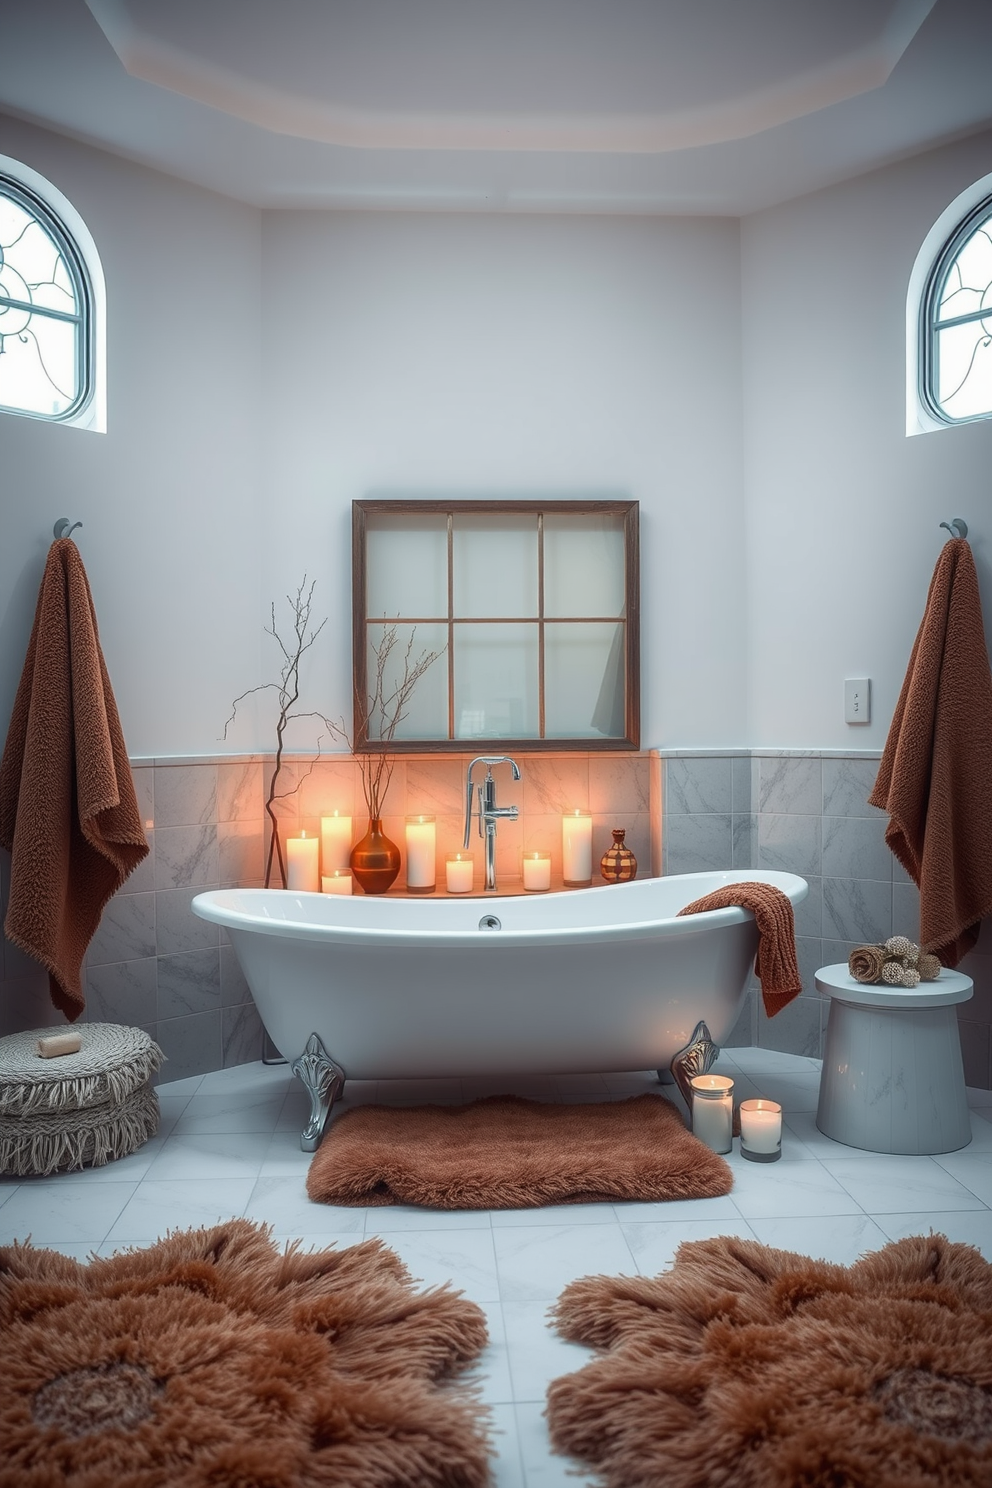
x=618, y=864
x=375, y=860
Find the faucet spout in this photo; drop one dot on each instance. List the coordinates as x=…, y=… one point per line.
x=489, y=813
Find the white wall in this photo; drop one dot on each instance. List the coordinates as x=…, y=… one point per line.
x=516, y=356
x=168, y=497
x=843, y=510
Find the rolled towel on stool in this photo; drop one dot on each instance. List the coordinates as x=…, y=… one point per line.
x=865, y=963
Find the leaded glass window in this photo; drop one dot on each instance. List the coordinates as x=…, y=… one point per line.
x=45, y=322
x=957, y=324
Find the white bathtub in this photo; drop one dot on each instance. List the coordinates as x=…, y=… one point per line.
x=587, y=980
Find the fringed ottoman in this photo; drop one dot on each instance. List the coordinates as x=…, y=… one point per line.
x=77, y=1110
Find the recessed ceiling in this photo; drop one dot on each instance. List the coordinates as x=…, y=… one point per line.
x=589, y=105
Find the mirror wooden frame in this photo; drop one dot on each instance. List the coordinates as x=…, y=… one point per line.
x=375, y=508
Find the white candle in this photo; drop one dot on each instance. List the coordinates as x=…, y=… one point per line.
x=420, y=849
x=576, y=847
x=335, y=842
x=537, y=872
x=761, y=1126
x=458, y=873
x=338, y=882
x=302, y=865
x=713, y=1111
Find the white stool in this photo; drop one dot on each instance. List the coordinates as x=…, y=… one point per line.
x=892, y=1078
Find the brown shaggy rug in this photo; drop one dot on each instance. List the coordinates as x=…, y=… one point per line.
x=745, y=1367
x=508, y=1153
x=214, y=1360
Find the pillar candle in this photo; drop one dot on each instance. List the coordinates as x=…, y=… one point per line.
x=761, y=1129
x=302, y=865
x=576, y=847
x=713, y=1111
x=338, y=882
x=537, y=872
x=420, y=847
x=335, y=842
x=459, y=873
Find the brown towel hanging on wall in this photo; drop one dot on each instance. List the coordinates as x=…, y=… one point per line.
x=68, y=812
x=935, y=779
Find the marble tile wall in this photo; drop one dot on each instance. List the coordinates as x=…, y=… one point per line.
x=807, y=813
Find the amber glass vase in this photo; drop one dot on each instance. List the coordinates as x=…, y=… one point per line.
x=618, y=864
x=375, y=860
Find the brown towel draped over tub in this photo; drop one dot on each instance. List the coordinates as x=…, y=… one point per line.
x=775, y=964
x=68, y=811
x=935, y=779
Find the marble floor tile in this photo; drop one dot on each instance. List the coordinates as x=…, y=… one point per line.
x=882, y=1185
x=283, y=1203
x=464, y=1258
x=972, y=1168
x=44, y=1211
x=544, y=1468
x=653, y=1246
x=968, y=1227
x=226, y=1154
x=536, y=1261
x=537, y=1353
x=790, y=1190
x=838, y=1238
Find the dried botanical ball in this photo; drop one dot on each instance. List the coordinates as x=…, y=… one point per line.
x=892, y=973
x=901, y=945
x=928, y=967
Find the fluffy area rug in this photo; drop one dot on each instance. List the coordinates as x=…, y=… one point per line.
x=215, y=1360
x=508, y=1153
x=746, y=1367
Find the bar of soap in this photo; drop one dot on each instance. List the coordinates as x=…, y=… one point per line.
x=55, y=1044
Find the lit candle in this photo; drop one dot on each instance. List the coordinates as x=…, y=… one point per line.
x=338, y=882
x=576, y=848
x=302, y=865
x=459, y=870
x=335, y=842
x=761, y=1130
x=537, y=872
x=420, y=870
x=713, y=1111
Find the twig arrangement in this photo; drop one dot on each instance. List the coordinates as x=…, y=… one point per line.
x=379, y=716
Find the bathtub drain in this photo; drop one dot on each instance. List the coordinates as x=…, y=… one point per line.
x=490, y=922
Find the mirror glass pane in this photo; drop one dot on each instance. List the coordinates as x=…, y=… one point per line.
x=424, y=715
x=496, y=682
x=583, y=680
x=407, y=565
x=494, y=558
x=583, y=564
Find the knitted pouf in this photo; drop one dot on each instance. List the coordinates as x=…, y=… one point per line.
x=78, y=1109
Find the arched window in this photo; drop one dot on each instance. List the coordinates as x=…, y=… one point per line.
x=956, y=323
x=50, y=305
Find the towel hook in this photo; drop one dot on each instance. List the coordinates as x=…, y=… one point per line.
x=957, y=527
x=62, y=528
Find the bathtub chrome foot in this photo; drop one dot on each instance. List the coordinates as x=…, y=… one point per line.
x=324, y=1082
x=699, y=1055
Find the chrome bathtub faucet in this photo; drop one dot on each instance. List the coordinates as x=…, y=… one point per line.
x=489, y=812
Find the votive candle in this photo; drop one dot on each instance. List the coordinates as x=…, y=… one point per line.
x=335, y=842
x=421, y=874
x=459, y=872
x=302, y=863
x=338, y=882
x=761, y=1130
x=537, y=872
x=576, y=848
x=713, y=1111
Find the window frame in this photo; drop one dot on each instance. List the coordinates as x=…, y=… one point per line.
x=929, y=325
x=626, y=510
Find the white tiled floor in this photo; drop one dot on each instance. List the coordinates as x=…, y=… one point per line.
x=229, y=1145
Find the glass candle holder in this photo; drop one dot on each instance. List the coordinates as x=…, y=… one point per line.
x=338, y=882
x=761, y=1130
x=537, y=872
x=459, y=872
x=421, y=875
x=713, y=1111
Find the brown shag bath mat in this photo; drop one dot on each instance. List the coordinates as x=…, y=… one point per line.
x=758, y=1368
x=508, y=1153
x=214, y=1359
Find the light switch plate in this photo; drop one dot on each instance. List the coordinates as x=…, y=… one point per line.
x=857, y=700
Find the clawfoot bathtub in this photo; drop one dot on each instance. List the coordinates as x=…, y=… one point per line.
x=588, y=980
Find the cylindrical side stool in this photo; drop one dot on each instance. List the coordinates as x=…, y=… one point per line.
x=892, y=1078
